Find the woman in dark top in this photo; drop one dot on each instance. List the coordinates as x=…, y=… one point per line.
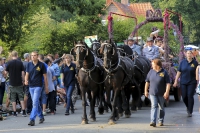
x=158, y=83
x=187, y=74
x=68, y=71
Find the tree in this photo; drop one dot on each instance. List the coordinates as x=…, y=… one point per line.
x=12, y=20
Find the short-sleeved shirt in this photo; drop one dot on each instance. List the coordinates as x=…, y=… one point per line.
x=15, y=68
x=36, y=74
x=50, y=75
x=25, y=64
x=158, y=82
x=56, y=69
x=188, y=72
x=69, y=74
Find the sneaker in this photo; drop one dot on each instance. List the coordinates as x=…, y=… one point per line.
x=67, y=113
x=44, y=113
x=24, y=114
x=153, y=124
x=15, y=115
x=31, y=123
x=161, y=124
x=41, y=120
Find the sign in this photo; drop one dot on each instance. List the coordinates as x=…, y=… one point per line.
x=87, y=40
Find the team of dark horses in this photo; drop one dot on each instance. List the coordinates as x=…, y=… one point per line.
x=111, y=74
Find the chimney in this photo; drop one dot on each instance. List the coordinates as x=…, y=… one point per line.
x=125, y=2
x=108, y=2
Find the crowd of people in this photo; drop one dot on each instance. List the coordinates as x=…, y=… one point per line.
x=38, y=83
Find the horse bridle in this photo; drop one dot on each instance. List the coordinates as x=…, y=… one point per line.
x=77, y=48
x=105, y=53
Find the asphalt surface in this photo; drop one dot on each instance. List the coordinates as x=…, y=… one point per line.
x=176, y=121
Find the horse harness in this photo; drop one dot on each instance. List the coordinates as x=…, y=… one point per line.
x=88, y=71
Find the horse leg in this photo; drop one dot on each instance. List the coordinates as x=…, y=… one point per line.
x=126, y=93
x=92, y=106
x=135, y=97
x=114, y=111
x=119, y=105
x=101, y=97
x=108, y=101
x=84, y=118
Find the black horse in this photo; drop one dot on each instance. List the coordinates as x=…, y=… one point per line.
x=90, y=78
x=118, y=73
x=141, y=68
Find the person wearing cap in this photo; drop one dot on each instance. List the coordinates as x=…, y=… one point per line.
x=27, y=98
x=136, y=48
x=151, y=51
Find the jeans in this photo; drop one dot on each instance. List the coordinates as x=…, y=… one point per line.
x=157, y=101
x=69, y=91
x=187, y=92
x=36, y=109
x=43, y=96
x=2, y=91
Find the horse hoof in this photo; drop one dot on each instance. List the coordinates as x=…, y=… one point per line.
x=120, y=114
x=93, y=119
x=111, y=122
x=127, y=116
x=139, y=108
x=101, y=111
x=84, y=122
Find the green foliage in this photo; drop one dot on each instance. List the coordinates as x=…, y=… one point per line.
x=52, y=26
x=11, y=20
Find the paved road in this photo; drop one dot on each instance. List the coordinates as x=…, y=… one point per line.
x=176, y=120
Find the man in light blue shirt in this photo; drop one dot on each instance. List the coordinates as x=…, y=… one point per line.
x=136, y=48
x=151, y=51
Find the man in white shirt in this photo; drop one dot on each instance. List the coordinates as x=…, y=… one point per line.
x=136, y=48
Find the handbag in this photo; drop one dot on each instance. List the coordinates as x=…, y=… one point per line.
x=198, y=89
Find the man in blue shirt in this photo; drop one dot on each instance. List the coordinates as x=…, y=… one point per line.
x=136, y=48
x=35, y=71
x=151, y=51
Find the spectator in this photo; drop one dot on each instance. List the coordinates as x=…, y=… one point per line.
x=68, y=71
x=2, y=84
x=44, y=96
x=151, y=51
x=35, y=71
x=50, y=78
x=135, y=48
x=187, y=74
x=27, y=98
x=56, y=69
x=158, y=83
x=15, y=69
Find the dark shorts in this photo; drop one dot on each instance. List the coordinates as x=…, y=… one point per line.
x=16, y=91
